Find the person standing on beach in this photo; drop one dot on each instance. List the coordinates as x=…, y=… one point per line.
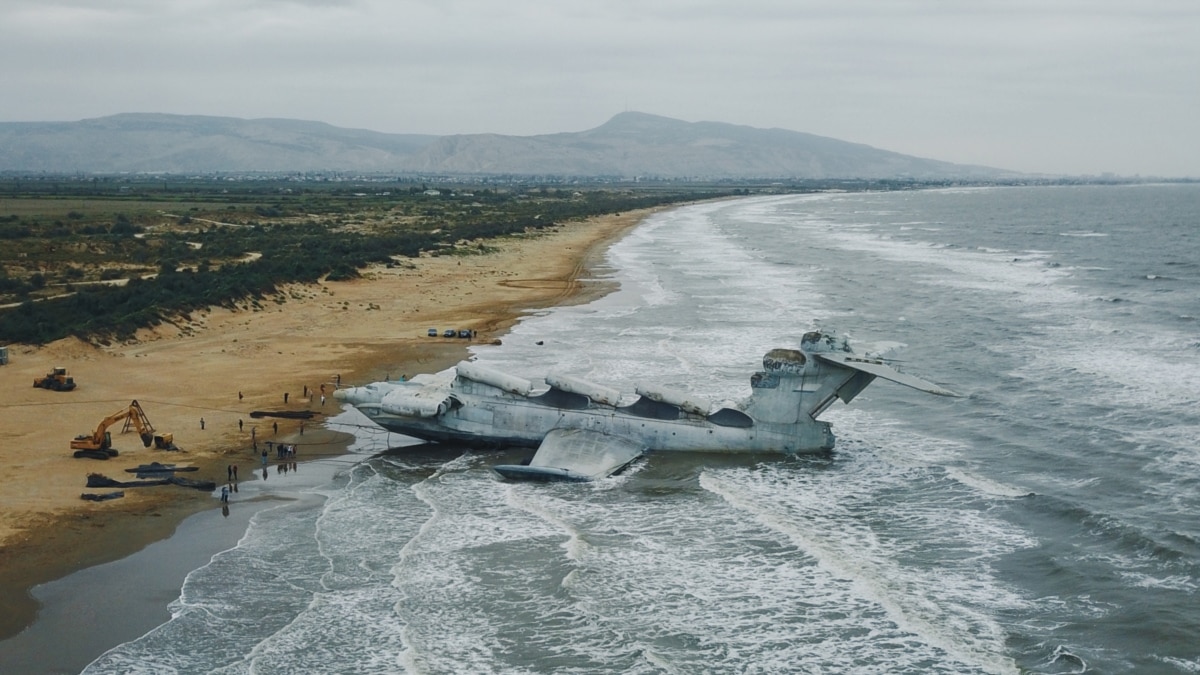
x=235, y=473
x=225, y=494
x=285, y=395
x=229, y=472
x=239, y=424
x=275, y=426
x=201, y=424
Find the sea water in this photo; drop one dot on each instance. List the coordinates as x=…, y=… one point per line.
x=1044, y=522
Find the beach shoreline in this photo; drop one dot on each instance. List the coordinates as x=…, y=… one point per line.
x=201, y=376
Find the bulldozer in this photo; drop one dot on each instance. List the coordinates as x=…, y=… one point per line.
x=55, y=380
x=98, y=444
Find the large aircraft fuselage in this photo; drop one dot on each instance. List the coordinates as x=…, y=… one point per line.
x=508, y=420
x=475, y=405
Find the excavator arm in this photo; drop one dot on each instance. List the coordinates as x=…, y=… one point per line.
x=99, y=442
x=136, y=417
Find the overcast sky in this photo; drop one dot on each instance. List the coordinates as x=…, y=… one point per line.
x=1055, y=86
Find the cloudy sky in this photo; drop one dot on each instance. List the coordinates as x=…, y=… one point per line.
x=1056, y=86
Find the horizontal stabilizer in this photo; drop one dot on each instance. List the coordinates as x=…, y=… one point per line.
x=881, y=369
x=575, y=454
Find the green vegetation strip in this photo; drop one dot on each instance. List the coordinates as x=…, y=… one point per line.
x=184, y=245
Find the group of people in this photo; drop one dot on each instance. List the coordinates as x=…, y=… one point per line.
x=308, y=393
x=283, y=451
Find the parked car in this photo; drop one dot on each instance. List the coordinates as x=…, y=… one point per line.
x=432, y=332
x=450, y=332
x=464, y=333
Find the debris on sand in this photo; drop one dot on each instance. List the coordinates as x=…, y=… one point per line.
x=102, y=497
x=157, y=469
x=95, y=480
x=285, y=414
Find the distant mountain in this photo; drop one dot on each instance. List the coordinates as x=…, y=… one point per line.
x=637, y=144
x=146, y=142
x=630, y=144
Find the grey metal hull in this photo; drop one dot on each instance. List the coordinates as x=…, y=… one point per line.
x=467, y=426
x=584, y=431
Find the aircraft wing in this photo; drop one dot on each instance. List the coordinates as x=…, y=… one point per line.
x=881, y=369
x=575, y=455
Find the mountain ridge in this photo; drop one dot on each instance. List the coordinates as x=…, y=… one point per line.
x=630, y=144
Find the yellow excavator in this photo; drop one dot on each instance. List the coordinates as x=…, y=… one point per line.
x=98, y=444
x=55, y=380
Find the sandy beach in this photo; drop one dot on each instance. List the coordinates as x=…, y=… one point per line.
x=219, y=365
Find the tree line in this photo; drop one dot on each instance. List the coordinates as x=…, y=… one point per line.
x=208, y=267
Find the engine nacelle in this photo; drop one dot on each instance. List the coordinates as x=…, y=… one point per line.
x=686, y=402
x=494, y=378
x=598, y=393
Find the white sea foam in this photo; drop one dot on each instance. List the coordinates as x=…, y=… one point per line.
x=940, y=610
x=1183, y=665
x=574, y=546
x=1021, y=274
x=678, y=586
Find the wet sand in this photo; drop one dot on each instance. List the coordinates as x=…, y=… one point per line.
x=103, y=606
x=220, y=365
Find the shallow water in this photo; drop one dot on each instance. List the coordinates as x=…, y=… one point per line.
x=1042, y=523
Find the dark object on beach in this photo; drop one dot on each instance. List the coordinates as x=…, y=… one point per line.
x=156, y=470
x=286, y=414
x=155, y=467
x=95, y=480
x=95, y=454
x=205, y=485
x=102, y=498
